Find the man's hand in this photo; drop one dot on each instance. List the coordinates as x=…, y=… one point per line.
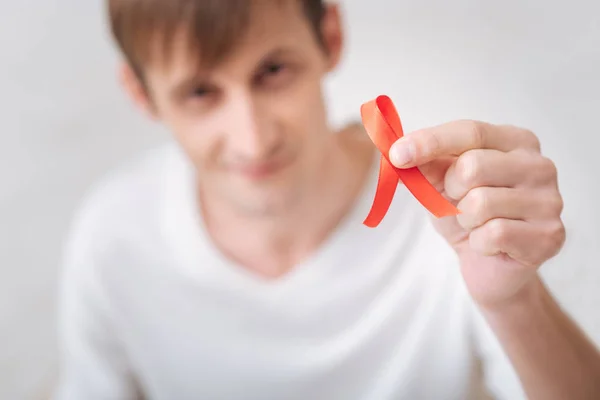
x=509, y=226
x=508, y=195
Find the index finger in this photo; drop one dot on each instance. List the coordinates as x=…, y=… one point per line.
x=455, y=138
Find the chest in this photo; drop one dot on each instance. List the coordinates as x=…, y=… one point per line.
x=392, y=329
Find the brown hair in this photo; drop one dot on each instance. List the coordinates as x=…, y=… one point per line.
x=215, y=26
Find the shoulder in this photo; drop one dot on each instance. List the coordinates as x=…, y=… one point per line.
x=124, y=202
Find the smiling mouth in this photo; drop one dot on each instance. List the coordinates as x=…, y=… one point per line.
x=263, y=170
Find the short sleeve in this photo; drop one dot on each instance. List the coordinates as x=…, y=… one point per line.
x=500, y=378
x=92, y=361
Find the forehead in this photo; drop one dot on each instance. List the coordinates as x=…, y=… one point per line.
x=269, y=26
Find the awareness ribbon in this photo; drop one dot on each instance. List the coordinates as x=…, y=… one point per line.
x=382, y=123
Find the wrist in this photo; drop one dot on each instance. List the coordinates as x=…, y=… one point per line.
x=531, y=298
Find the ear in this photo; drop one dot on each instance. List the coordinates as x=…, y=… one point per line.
x=332, y=32
x=136, y=90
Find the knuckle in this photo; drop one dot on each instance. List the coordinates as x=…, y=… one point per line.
x=545, y=203
x=477, y=131
x=548, y=168
x=431, y=145
x=498, y=231
x=541, y=170
x=468, y=168
x=556, y=205
x=475, y=209
x=557, y=235
x=532, y=140
x=555, y=239
x=478, y=201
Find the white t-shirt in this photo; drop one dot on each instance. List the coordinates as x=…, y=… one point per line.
x=150, y=309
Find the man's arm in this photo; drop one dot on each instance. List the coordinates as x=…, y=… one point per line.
x=509, y=225
x=552, y=357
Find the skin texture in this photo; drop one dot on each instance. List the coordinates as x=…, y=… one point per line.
x=274, y=181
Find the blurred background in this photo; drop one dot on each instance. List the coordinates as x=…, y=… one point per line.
x=64, y=122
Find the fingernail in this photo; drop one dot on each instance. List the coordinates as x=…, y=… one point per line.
x=402, y=153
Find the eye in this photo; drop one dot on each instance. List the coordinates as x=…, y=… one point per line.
x=273, y=69
x=272, y=73
x=200, y=92
x=201, y=96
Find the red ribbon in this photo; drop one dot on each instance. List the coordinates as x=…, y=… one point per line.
x=382, y=123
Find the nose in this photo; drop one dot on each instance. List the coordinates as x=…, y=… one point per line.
x=252, y=136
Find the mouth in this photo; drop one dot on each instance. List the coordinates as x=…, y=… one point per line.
x=262, y=170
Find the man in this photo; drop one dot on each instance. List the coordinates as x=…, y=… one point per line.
x=234, y=265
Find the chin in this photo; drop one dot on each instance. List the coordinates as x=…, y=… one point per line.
x=266, y=204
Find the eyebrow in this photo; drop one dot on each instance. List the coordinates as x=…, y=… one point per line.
x=277, y=52
x=200, y=76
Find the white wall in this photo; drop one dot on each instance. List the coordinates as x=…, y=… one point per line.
x=64, y=122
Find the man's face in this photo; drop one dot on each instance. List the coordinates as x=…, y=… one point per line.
x=255, y=126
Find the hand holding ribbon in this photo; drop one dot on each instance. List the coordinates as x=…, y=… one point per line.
x=509, y=221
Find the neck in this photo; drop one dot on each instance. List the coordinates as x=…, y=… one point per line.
x=271, y=246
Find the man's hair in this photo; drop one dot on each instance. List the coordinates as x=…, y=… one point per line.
x=213, y=27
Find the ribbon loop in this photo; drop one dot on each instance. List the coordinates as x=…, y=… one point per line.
x=383, y=125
